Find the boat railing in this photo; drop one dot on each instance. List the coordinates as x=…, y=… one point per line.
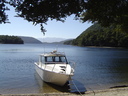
x=53, y=67
x=73, y=65
x=54, y=53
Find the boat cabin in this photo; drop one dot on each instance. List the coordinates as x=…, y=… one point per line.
x=53, y=58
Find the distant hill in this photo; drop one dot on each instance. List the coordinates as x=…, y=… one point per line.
x=30, y=40
x=51, y=39
x=6, y=39
x=68, y=42
x=96, y=35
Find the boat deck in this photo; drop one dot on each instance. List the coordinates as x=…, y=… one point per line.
x=55, y=67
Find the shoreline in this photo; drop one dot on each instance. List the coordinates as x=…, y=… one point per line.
x=123, y=91
x=105, y=47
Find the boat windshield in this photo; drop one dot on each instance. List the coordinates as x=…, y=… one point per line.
x=55, y=59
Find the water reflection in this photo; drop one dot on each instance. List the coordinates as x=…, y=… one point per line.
x=101, y=68
x=48, y=88
x=73, y=86
x=119, y=68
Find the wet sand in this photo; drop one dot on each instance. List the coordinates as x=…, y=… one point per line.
x=107, y=92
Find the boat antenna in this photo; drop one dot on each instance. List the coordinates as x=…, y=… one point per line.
x=56, y=47
x=44, y=42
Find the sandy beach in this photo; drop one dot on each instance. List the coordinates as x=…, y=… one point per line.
x=107, y=92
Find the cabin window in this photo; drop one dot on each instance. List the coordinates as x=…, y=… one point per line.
x=55, y=59
x=48, y=59
x=63, y=59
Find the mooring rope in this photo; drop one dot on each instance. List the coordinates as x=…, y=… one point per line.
x=92, y=91
x=79, y=90
x=76, y=87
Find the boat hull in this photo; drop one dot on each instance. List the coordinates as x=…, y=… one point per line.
x=52, y=77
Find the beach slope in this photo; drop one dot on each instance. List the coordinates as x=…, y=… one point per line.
x=107, y=92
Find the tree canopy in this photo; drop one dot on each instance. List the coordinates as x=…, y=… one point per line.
x=3, y=8
x=105, y=12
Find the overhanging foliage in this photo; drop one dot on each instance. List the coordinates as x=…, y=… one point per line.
x=105, y=12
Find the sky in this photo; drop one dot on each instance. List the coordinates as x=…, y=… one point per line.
x=19, y=27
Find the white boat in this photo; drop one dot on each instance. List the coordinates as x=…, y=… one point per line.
x=54, y=68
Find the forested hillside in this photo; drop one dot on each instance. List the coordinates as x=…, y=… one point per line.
x=5, y=39
x=100, y=36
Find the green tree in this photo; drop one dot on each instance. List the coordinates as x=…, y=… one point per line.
x=3, y=8
x=5, y=39
x=105, y=12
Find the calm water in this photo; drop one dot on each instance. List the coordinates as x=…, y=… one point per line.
x=96, y=68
